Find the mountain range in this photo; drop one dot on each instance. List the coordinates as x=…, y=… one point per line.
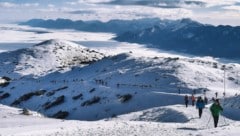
x=184, y=35
x=112, y=26
x=191, y=38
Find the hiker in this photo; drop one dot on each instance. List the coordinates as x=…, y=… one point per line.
x=216, y=94
x=194, y=91
x=224, y=94
x=205, y=100
x=193, y=100
x=186, y=100
x=215, y=109
x=204, y=92
x=213, y=99
x=200, y=105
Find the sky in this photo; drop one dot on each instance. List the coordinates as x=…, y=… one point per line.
x=216, y=12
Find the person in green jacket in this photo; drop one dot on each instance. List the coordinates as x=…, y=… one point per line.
x=215, y=109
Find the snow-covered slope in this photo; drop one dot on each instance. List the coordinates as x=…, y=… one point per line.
x=13, y=123
x=232, y=105
x=111, y=86
x=176, y=114
x=46, y=57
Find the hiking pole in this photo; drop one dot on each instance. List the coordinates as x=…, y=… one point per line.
x=222, y=111
x=224, y=93
x=224, y=120
x=224, y=86
x=208, y=121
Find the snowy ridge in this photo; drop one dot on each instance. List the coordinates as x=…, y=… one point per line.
x=111, y=86
x=133, y=94
x=53, y=55
x=49, y=56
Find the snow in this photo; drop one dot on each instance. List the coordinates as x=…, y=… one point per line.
x=12, y=33
x=50, y=55
x=13, y=123
x=151, y=77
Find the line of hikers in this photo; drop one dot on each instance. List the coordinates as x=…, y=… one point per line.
x=215, y=108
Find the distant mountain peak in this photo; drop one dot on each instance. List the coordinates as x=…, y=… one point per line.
x=58, y=42
x=47, y=42
x=186, y=20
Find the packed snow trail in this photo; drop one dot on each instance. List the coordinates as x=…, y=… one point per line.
x=12, y=123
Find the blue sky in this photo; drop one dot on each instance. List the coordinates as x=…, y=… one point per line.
x=215, y=12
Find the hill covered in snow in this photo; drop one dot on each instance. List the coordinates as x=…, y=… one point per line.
x=61, y=79
x=46, y=57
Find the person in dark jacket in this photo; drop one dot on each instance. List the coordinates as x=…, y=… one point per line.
x=193, y=100
x=186, y=100
x=205, y=100
x=215, y=109
x=216, y=94
x=200, y=105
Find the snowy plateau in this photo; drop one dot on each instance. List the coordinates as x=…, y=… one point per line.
x=77, y=83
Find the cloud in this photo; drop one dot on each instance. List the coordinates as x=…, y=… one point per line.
x=72, y=3
x=7, y=5
x=55, y=9
x=30, y=5
x=136, y=12
x=212, y=11
x=158, y=3
x=195, y=3
x=94, y=1
x=82, y=12
x=229, y=17
x=77, y=2
x=14, y=5
x=168, y=3
x=51, y=5
x=212, y=3
x=233, y=7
